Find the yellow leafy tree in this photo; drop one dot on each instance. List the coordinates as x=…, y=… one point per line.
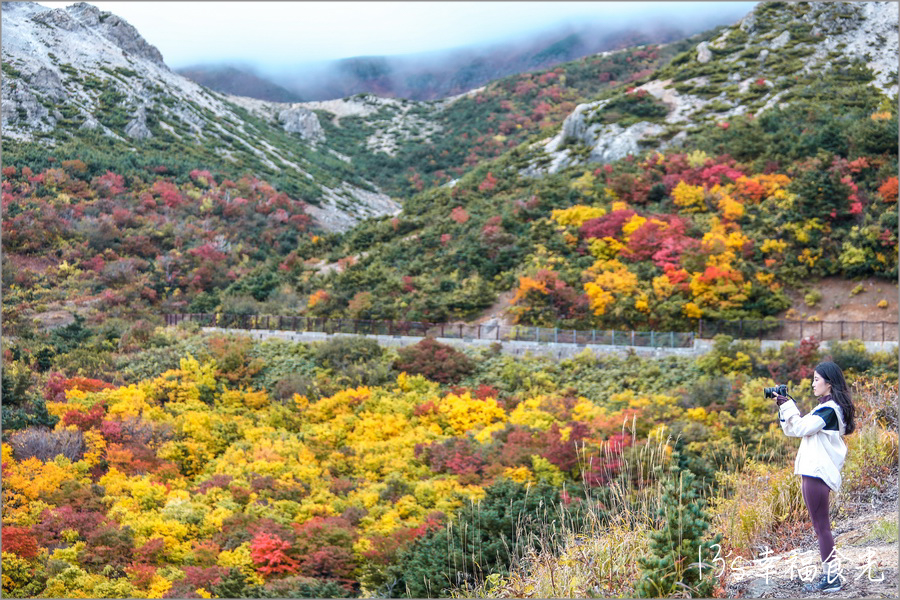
x=613, y=281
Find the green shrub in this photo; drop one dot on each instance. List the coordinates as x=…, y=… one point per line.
x=812, y=298
x=481, y=540
x=851, y=354
x=342, y=351
x=679, y=545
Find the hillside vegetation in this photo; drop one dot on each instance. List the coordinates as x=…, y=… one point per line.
x=205, y=465
x=646, y=189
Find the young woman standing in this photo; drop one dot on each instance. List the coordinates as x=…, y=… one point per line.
x=821, y=457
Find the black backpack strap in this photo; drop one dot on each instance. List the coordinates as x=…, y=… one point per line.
x=828, y=415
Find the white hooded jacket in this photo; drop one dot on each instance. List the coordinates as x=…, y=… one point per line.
x=822, y=449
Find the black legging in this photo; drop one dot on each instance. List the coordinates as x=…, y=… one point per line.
x=815, y=494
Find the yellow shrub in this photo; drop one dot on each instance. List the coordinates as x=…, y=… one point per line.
x=575, y=216
x=689, y=198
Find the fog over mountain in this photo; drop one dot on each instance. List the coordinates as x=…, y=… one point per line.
x=442, y=73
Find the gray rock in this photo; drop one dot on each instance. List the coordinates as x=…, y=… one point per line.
x=20, y=107
x=137, y=128
x=763, y=55
x=719, y=42
x=574, y=126
x=58, y=17
x=47, y=81
x=615, y=142
x=296, y=119
x=130, y=41
x=780, y=41
x=90, y=123
x=748, y=23
x=704, y=54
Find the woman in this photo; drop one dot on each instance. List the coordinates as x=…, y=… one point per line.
x=821, y=457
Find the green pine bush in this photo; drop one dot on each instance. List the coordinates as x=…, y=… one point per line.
x=674, y=566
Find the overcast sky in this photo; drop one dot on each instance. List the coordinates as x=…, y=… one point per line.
x=275, y=34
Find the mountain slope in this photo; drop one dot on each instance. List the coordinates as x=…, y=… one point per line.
x=720, y=227
x=79, y=78
x=759, y=63
x=237, y=81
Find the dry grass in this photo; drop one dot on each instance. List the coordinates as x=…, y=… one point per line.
x=599, y=559
x=872, y=450
x=754, y=505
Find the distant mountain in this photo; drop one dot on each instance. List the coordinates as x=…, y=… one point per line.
x=448, y=73
x=238, y=81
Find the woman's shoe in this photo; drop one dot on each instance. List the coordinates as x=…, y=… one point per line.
x=823, y=585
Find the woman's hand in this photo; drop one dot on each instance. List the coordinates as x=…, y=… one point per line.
x=779, y=400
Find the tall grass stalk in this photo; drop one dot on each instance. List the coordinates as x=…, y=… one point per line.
x=559, y=559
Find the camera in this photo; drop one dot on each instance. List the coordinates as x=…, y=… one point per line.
x=778, y=390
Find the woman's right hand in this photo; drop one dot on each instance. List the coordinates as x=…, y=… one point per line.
x=779, y=400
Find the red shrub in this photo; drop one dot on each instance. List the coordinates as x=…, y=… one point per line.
x=606, y=226
x=86, y=420
x=150, y=553
x=325, y=548
x=561, y=453
x=888, y=190
x=269, y=553
x=797, y=363
x=19, y=540
x=436, y=361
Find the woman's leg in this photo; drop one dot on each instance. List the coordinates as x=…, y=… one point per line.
x=815, y=493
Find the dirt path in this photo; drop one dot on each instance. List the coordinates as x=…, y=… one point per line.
x=838, y=303
x=868, y=556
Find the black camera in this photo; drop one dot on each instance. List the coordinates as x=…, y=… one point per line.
x=778, y=390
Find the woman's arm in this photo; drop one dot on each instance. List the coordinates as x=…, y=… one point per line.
x=796, y=426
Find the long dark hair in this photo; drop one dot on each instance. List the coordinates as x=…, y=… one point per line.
x=840, y=393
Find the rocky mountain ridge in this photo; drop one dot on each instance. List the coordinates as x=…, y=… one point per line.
x=751, y=67
x=76, y=69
